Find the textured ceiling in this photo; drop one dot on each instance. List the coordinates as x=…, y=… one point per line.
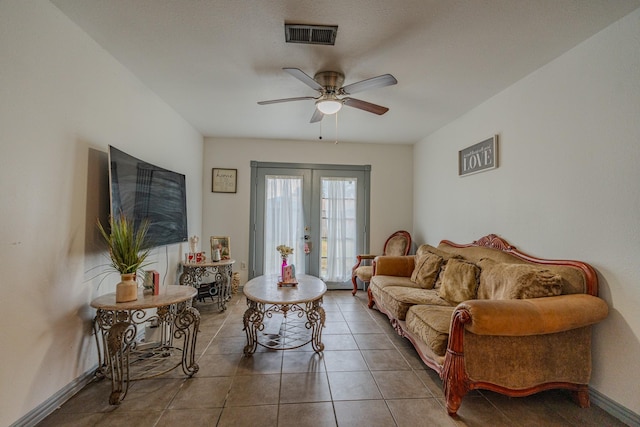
x=213, y=60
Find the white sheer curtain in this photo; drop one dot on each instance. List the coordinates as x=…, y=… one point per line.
x=338, y=227
x=283, y=222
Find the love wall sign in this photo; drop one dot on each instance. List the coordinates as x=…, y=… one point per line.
x=479, y=157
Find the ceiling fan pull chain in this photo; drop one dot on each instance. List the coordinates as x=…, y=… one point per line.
x=336, y=114
x=320, y=137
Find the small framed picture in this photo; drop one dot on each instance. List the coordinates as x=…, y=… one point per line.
x=223, y=180
x=221, y=244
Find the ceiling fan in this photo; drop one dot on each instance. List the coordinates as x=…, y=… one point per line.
x=329, y=85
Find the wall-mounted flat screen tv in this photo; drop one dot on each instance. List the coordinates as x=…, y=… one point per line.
x=142, y=191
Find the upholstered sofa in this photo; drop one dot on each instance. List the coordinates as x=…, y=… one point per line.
x=487, y=316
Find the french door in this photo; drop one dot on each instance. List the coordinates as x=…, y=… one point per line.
x=321, y=211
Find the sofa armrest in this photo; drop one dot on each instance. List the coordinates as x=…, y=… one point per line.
x=535, y=316
x=386, y=265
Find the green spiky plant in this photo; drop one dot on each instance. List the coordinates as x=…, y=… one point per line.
x=128, y=248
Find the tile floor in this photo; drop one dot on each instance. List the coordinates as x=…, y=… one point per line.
x=366, y=376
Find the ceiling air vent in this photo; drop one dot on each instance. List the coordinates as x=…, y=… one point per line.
x=310, y=34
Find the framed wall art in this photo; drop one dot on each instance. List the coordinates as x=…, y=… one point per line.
x=224, y=180
x=479, y=157
x=222, y=244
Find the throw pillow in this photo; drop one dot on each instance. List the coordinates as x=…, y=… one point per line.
x=425, y=249
x=516, y=281
x=446, y=256
x=459, y=281
x=426, y=270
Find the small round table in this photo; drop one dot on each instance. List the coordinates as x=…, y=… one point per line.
x=301, y=309
x=116, y=329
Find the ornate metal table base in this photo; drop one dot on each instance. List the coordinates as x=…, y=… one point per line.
x=122, y=359
x=222, y=272
x=291, y=334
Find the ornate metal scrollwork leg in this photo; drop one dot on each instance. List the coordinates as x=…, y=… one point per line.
x=119, y=339
x=220, y=291
x=220, y=284
x=186, y=324
x=225, y=290
x=252, y=324
x=188, y=277
x=315, y=321
x=97, y=332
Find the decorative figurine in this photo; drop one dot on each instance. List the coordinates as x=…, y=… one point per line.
x=193, y=243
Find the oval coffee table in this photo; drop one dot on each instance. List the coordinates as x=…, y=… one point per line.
x=294, y=314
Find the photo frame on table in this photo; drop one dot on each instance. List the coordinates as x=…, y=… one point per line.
x=224, y=180
x=479, y=157
x=221, y=243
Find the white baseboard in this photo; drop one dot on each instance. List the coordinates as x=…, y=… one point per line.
x=614, y=408
x=47, y=407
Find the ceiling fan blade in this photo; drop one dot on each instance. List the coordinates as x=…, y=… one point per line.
x=317, y=116
x=364, y=105
x=304, y=78
x=275, y=101
x=372, y=83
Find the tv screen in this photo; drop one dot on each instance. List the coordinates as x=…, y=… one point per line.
x=142, y=191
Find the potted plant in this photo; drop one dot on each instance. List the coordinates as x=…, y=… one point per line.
x=128, y=250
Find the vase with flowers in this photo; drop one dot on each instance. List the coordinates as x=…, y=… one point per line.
x=128, y=249
x=285, y=251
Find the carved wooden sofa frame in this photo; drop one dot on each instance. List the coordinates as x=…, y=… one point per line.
x=456, y=383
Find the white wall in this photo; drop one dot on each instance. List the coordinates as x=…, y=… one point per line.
x=62, y=101
x=228, y=214
x=568, y=184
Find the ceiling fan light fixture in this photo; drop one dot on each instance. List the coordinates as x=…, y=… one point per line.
x=329, y=106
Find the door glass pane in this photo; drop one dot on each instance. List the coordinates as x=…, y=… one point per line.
x=322, y=208
x=283, y=221
x=337, y=228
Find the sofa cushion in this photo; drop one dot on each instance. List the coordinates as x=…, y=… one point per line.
x=396, y=300
x=516, y=281
x=459, y=281
x=381, y=282
x=431, y=324
x=427, y=267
